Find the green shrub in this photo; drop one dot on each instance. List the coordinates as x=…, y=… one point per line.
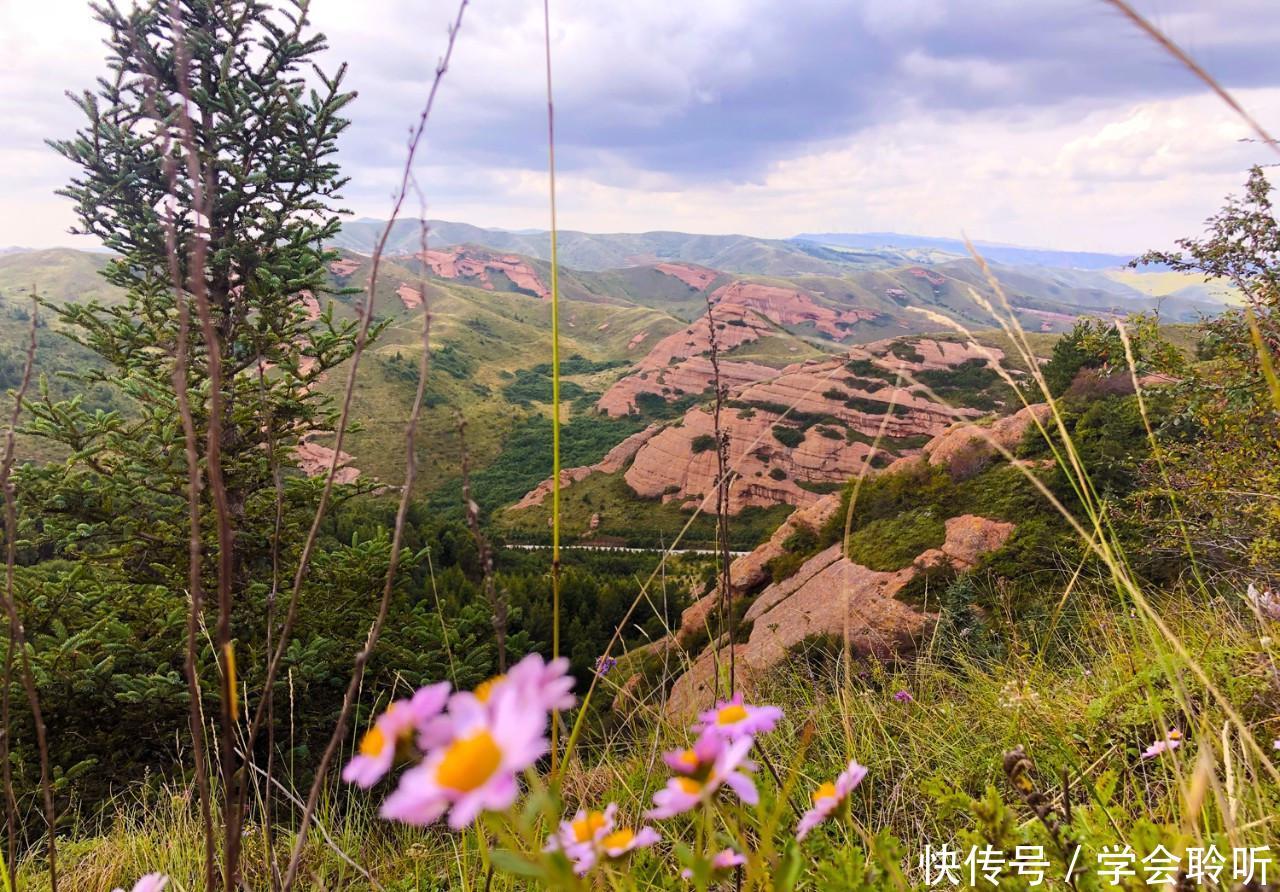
x=788, y=436
x=893, y=543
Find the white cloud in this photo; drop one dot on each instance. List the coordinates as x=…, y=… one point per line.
x=729, y=115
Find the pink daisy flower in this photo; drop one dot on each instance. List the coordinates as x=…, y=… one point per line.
x=723, y=862
x=544, y=685
x=592, y=835
x=152, y=882
x=391, y=732
x=580, y=837
x=488, y=743
x=1171, y=741
x=729, y=768
x=733, y=718
x=698, y=758
x=830, y=796
x=624, y=841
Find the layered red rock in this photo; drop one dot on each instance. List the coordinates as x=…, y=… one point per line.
x=310, y=305
x=735, y=326
x=411, y=297
x=467, y=263
x=314, y=461
x=933, y=353
x=344, y=267
x=696, y=277
x=831, y=597
x=768, y=472
x=693, y=375
x=614, y=460
x=789, y=306
x=964, y=448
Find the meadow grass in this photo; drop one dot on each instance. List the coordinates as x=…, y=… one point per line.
x=1084, y=692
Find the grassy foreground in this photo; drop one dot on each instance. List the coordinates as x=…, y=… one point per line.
x=1084, y=691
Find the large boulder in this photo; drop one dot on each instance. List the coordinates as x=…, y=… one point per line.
x=965, y=449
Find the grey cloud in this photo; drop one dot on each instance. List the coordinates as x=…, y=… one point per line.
x=720, y=91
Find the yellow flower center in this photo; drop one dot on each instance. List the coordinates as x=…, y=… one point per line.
x=688, y=785
x=731, y=714
x=618, y=839
x=826, y=791
x=689, y=759
x=373, y=742
x=585, y=828
x=470, y=762
x=1175, y=734
x=484, y=690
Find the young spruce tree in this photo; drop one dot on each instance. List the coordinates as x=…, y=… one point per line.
x=206, y=164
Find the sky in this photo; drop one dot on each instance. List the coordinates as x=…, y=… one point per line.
x=1050, y=123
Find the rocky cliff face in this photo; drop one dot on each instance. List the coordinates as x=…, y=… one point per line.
x=744, y=312
x=476, y=266
x=830, y=596
x=837, y=408
x=689, y=376
x=614, y=460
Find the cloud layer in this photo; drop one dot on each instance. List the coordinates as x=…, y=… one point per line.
x=1053, y=123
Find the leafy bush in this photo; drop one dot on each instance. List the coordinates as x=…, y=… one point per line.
x=788, y=436
x=703, y=443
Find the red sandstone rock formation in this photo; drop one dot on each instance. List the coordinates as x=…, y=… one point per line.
x=314, y=460
x=613, y=461
x=344, y=267
x=770, y=473
x=965, y=448
x=462, y=262
x=696, y=277
x=410, y=297
x=830, y=596
x=310, y=304
x=735, y=325
x=693, y=375
x=929, y=276
x=787, y=306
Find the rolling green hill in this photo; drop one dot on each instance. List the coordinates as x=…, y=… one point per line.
x=491, y=336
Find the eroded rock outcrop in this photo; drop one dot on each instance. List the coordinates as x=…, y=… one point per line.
x=477, y=265
x=614, y=460
x=788, y=306
x=696, y=277
x=314, y=460
x=965, y=448
x=689, y=376
x=344, y=267
x=829, y=596
x=780, y=457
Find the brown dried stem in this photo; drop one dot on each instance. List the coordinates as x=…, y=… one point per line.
x=17, y=635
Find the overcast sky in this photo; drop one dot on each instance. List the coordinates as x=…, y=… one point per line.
x=1039, y=122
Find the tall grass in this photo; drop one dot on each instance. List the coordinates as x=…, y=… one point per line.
x=1082, y=689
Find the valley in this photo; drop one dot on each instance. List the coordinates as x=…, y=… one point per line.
x=811, y=339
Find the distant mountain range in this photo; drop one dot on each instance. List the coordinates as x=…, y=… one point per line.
x=805, y=254
x=1009, y=254
x=634, y=346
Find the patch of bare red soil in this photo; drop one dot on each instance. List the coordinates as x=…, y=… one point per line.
x=464, y=263
x=314, y=460
x=409, y=296
x=696, y=277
